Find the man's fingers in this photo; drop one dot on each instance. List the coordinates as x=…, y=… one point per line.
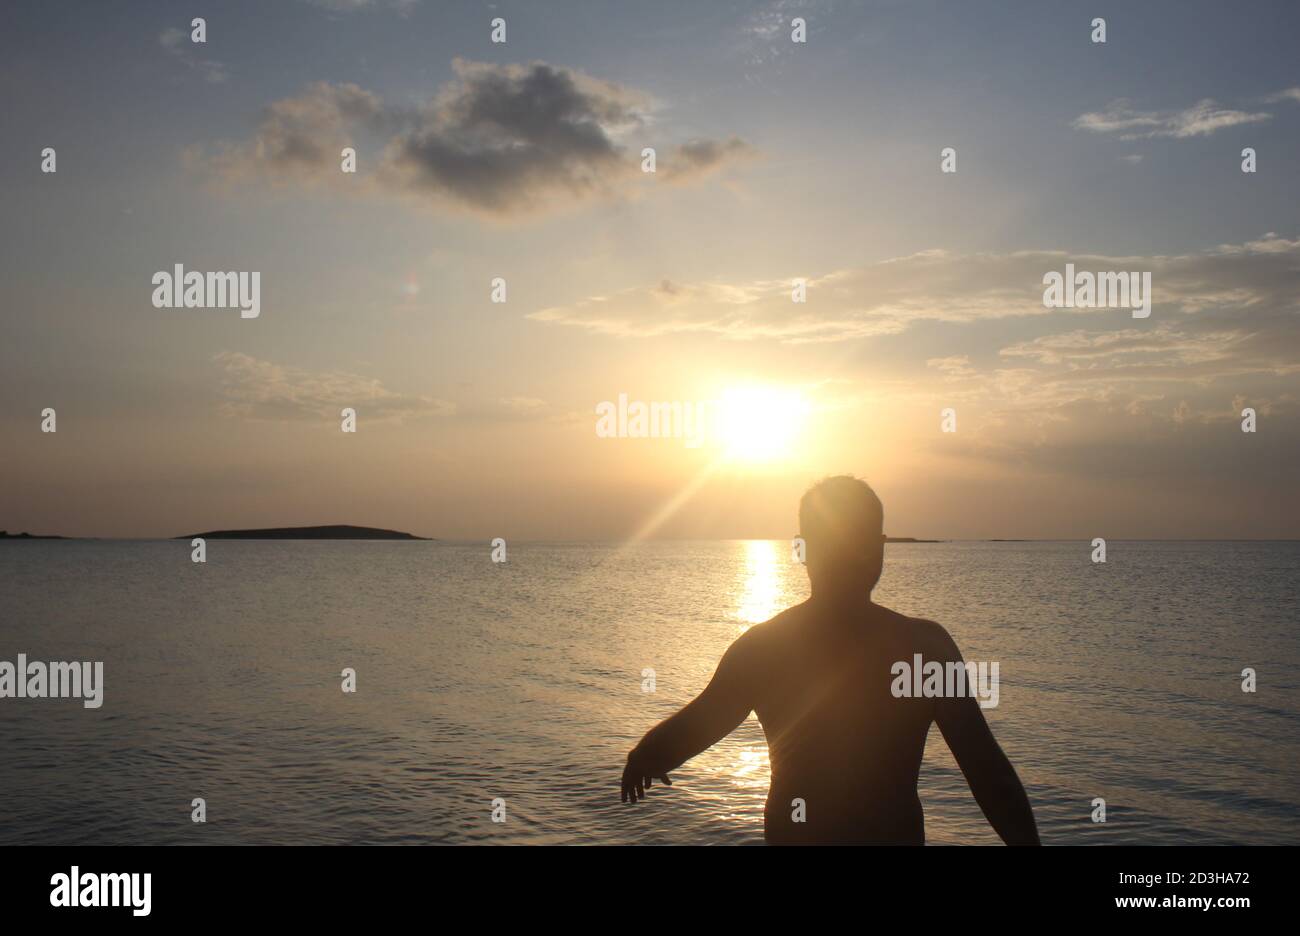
x=635, y=784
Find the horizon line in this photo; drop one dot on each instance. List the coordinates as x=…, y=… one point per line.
x=916, y=540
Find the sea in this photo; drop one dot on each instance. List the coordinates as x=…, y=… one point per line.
x=495, y=702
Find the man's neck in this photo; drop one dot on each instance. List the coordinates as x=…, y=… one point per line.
x=844, y=600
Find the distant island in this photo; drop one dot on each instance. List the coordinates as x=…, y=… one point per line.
x=5, y=534
x=908, y=539
x=307, y=533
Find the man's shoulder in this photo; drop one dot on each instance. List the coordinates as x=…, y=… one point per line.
x=931, y=637
x=792, y=616
x=775, y=627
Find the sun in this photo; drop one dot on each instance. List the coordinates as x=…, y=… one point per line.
x=759, y=424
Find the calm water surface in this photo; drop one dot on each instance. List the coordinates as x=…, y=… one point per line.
x=524, y=681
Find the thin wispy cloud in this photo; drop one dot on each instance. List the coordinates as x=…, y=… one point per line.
x=177, y=44
x=769, y=21
x=262, y=390
x=1201, y=119
x=889, y=297
x=514, y=409
x=954, y=367
x=500, y=140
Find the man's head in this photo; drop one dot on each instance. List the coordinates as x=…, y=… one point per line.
x=842, y=521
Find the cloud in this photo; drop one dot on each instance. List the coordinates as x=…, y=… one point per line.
x=1140, y=369
x=1201, y=119
x=257, y=389
x=499, y=140
x=1159, y=407
x=953, y=368
x=505, y=139
x=515, y=409
x=1256, y=281
x=1161, y=346
x=764, y=31
x=523, y=406
x=690, y=161
x=1287, y=94
x=177, y=44
x=1090, y=395
x=1100, y=397
x=772, y=19
x=300, y=138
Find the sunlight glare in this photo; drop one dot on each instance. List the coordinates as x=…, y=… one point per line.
x=761, y=590
x=759, y=424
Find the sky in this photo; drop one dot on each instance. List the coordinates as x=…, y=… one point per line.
x=776, y=161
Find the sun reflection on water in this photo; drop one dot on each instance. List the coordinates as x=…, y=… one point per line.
x=738, y=768
x=761, y=590
x=751, y=769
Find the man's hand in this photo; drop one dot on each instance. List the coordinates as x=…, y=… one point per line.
x=636, y=779
x=725, y=702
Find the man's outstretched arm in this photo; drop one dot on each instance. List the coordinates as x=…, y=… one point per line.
x=710, y=717
x=992, y=779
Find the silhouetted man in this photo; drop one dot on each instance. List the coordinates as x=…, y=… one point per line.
x=822, y=678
